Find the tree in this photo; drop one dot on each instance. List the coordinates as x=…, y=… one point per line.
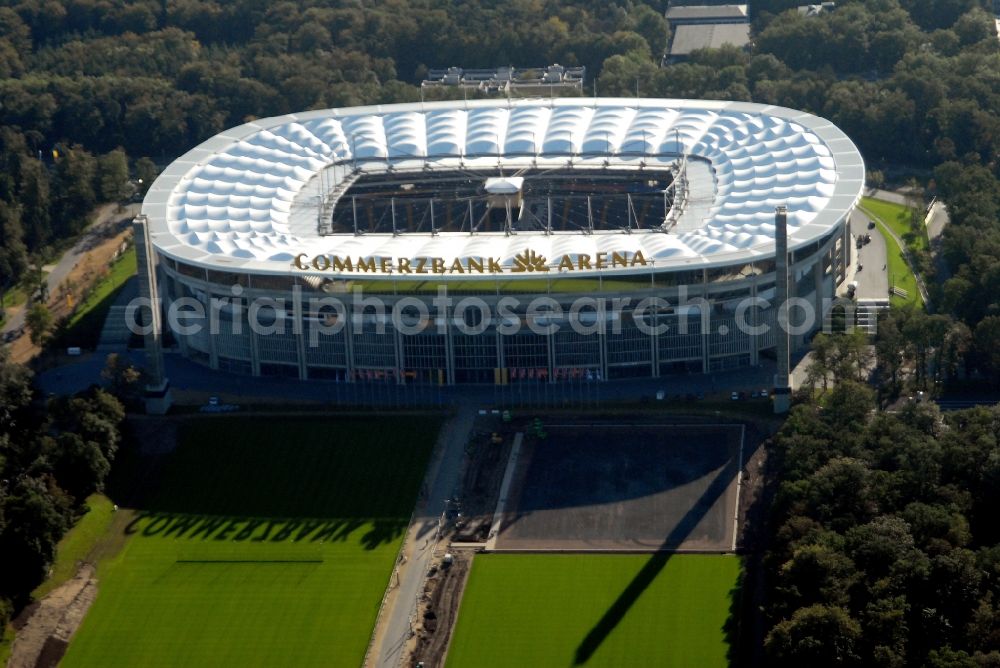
x=821, y=362
x=849, y=404
x=123, y=379
x=112, y=175
x=890, y=350
x=884, y=547
x=37, y=514
x=15, y=393
x=78, y=465
x=145, y=172
x=987, y=343
x=816, y=636
x=35, y=201
x=95, y=415
x=817, y=573
x=13, y=252
x=40, y=322
x=74, y=189
x=853, y=356
x=839, y=494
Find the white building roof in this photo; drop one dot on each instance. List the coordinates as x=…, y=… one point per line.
x=247, y=199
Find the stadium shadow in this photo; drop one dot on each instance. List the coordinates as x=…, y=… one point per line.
x=652, y=568
x=572, y=470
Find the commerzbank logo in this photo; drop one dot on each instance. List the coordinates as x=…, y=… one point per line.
x=529, y=260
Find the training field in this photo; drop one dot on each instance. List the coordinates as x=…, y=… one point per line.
x=263, y=542
x=641, y=487
x=596, y=610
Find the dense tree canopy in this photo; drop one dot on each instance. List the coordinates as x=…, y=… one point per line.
x=50, y=461
x=884, y=546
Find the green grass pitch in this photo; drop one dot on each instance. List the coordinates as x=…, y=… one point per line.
x=596, y=610
x=267, y=542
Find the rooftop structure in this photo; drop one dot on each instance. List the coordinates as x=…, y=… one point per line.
x=683, y=14
x=506, y=79
x=691, y=37
x=570, y=201
x=259, y=195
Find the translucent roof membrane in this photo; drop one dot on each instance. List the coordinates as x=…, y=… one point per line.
x=250, y=196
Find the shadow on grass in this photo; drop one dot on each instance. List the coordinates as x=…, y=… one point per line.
x=86, y=331
x=732, y=626
x=243, y=529
x=652, y=568
x=262, y=480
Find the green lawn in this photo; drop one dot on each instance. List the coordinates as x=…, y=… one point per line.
x=596, y=610
x=76, y=545
x=122, y=269
x=897, y=217
x=83, y=327
x=264, y=542
x=16, y=295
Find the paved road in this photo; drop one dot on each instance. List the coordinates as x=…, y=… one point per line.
x=107, y=222
x=191, y=377
x=887, y=195
x=908, y=258
x=873, y=279
x=442, y=482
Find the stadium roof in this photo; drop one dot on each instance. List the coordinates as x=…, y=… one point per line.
x=248, y=198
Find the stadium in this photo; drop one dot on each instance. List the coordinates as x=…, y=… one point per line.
x=500, y=241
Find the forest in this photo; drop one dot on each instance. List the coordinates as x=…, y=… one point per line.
x=882, y=549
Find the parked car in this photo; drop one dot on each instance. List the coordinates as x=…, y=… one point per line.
x=735, y=396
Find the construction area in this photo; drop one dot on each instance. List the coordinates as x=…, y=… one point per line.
x=639, y=484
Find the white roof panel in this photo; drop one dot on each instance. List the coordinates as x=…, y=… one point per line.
x=229, y=201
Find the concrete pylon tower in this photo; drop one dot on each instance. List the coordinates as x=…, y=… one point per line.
x=157, y=395
x=782, y=376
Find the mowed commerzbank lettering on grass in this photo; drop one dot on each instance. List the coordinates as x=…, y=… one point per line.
x=238, y=530
x=264, y=542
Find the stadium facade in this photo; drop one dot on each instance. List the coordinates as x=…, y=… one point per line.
x=498, y=241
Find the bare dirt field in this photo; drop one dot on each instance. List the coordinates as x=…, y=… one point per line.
x=45, y=628
x=629, y=487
